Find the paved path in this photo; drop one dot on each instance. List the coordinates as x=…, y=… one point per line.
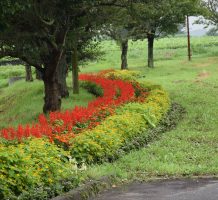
x=202, y=189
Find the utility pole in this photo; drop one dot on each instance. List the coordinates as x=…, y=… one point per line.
x=189, y=41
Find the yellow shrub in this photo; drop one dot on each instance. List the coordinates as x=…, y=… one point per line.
x=129, y=121
x=159, y=102
x=125, y=75
x=34, y=163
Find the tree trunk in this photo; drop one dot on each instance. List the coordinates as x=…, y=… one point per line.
x=124, y=47
x=62, y=75
x=29, y=77
x=75, y=72
x=151, y=50
x=52, y=99
x=38, y=75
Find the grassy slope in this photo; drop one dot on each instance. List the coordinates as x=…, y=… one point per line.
x=22, y=102
x=10, y=71
x=190, y=149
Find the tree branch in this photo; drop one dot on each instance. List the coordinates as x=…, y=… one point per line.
x=13, y=54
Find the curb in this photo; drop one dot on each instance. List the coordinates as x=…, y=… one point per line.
x=88, y=190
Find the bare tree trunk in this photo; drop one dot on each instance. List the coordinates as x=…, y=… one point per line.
x=75, y=72
x=151, y=50
x=29, y=77
x=124, y=48
x=38, y=75
x=62, y=75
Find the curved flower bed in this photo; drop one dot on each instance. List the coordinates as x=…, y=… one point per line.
x=37, y=168
x=60, y=125
x=104, y=141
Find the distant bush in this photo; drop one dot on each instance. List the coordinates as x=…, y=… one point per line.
x=213, y=32
x=125, y=75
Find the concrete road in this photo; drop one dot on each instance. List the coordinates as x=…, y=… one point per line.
x=201, y=189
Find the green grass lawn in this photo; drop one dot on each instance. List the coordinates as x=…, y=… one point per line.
x=166, y=49
x=22, y=102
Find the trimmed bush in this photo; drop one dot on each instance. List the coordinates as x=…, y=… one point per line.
x=124, y=75
x=132, y=119
x=33, y=164
x=92, y=88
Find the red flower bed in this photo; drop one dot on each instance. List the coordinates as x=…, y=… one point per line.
x=64, y=125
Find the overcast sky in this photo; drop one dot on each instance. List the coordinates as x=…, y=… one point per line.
x=197, y=29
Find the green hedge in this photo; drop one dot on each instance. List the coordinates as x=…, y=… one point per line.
x=92, y=88
x=101, y=143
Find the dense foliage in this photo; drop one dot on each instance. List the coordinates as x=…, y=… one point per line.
x=33, y=166
x=35, y=163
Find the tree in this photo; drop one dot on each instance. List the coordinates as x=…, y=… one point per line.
x=213, y=31
x=62, y=71
x=82, y=47
x=119, y=27
x=38, y=74
x=210, y=13
x=39, y=41
x=121, y=35
x=42, y=29
x=158, y=18
x=29, y=77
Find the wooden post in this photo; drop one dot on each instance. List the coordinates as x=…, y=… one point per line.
x=189, y=40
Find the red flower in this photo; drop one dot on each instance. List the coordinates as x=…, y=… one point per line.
x=59, y=125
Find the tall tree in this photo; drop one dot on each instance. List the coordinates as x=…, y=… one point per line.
x=29, y=76
x=119, y=28
x=41, y=28
x=83, y=47
x=121, y=35
x=157, y=18
x=62, y=71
